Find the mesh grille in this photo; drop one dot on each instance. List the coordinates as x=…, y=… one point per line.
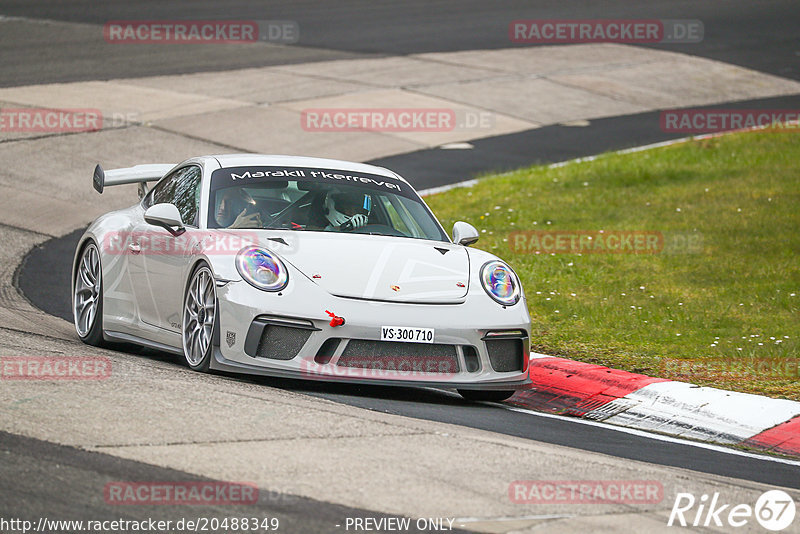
x=505, y=355
x=422, y=357
x=281, y=342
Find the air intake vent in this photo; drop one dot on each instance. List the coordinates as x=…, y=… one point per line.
x=281, y=342
x=417, y=357
x=505, y=355
x=325, y=352
x=471, y=359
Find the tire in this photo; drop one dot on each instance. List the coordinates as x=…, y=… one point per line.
x=87, y=297
x=199, y=318
x=486, y=396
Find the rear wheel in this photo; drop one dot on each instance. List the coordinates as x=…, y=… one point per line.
x=199, y=318
x=487, y=396
x=87, y=299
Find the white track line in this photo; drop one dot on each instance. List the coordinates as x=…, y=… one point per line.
x=702, y=413
x=632, y=431
x=658, y=437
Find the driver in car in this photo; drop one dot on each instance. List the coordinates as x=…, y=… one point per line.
x=346, y=211
x=235, y=209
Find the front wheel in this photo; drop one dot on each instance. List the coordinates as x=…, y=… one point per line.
x=199, y=318
x=87, y=299
x=487, y=396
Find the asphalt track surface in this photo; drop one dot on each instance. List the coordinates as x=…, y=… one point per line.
x=758, y=35
x=761, y=36
x=437, y=167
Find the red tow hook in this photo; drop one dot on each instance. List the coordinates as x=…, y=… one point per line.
x=335, y=319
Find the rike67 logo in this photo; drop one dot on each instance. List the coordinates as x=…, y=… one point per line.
x=774, y=510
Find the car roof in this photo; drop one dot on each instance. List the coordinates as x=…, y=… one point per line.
x=265, y=160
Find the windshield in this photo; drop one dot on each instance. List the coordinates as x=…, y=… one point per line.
x=318, y=200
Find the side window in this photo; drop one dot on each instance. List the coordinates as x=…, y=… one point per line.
x=163, y=191
x=181, y=188
x=187, y=195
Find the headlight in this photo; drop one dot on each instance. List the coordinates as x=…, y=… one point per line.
x=262, y=269
x=500, y=283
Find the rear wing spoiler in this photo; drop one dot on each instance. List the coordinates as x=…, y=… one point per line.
x=140, y=174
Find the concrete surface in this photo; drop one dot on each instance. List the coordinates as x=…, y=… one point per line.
x=514, y=89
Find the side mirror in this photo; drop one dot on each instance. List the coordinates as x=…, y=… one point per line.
x=166, y=216
x=464, y=233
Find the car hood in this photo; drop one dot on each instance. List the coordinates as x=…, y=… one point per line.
x=379, y=267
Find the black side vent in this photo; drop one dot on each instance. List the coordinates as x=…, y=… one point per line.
x=326, y=351
x=505, y=355
x=281, y=342
x=277, y=338
x=471, y=359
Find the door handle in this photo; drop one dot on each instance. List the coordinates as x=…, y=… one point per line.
x=135, y=248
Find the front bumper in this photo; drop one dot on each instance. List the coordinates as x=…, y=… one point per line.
x=472, y=349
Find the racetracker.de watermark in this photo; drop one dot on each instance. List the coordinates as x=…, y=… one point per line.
x=365, y=367
x=541, y=31
x=180, y=493
x=604, y=242
x=201, y=31
x=43, y=120
x=586, y=492
x=731, y=369
x=55, y=368
x=721, y=120
x=162, y=243
x=394, y=120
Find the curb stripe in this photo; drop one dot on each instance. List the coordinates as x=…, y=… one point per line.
x=784, y=438
x=570, y=387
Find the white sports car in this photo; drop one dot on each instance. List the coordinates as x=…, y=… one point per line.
x=301, y=268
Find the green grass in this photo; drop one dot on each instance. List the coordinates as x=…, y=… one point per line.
x=734, y=299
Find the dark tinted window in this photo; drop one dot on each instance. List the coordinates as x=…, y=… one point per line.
x=181, y=188
x=318, y=200
x=163, y=190
x=187, y=195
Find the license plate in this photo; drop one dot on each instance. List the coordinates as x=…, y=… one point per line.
x=409, y=334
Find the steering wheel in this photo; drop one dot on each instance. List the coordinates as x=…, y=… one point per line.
x=251, y=207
